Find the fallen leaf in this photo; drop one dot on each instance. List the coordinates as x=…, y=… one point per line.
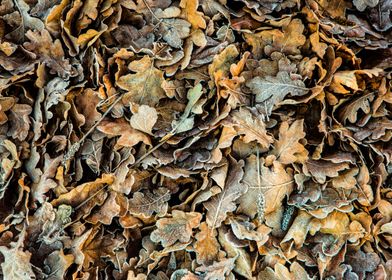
x=179, y=227
x=252, y=127
x=189, y=11
x=206, y=246
x=272, y=90
x=288, y=149
x=222, y=203
x=148, y=203
x=144, y=87
x=144, y=119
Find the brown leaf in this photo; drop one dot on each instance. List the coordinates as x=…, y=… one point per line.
x=206, y=245
x=106, y=212
x=144, y=87
x=288, y=149
x=222, y=203
x=129, y=137
x=148, y=203
x=20, y=122
x=321, y=169
x=275, y=183
x=179, y=227
x=80, y=193
x=49, y=52
x=144, y=119
x=251, y=126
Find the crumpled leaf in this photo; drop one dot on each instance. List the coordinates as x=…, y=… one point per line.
x=179, y=227
x=49, y=52
x=321, y=169
x=280, y=272
x=362, y=262
x=380, y=16
x=20, y=122
x=58, y=263
x=361, y=5
x=83, y=191
x=185, y=123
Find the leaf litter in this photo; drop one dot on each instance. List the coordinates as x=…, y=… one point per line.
x=195, y=139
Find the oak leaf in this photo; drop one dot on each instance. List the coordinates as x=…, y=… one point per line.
x=49, y=52
x=148, y=203
x=174, y=30
x=288, y=149
x=273, y=182
x=144, y=87
x=20, y=122
x=222, y=203
x=80, y=193
x=251, y=126
x=189, y=11
x=129, y=137
x=272, y=90
x=321, y=169
x=16, y=263
x=206, y=245
x=178, y=227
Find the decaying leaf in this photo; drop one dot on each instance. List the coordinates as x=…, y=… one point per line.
x=253, y=128
x=16, y=264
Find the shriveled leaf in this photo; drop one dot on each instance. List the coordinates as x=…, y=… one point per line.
x=16, y=264
x=321, y=169
x=49, y=52
x=80, y=193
